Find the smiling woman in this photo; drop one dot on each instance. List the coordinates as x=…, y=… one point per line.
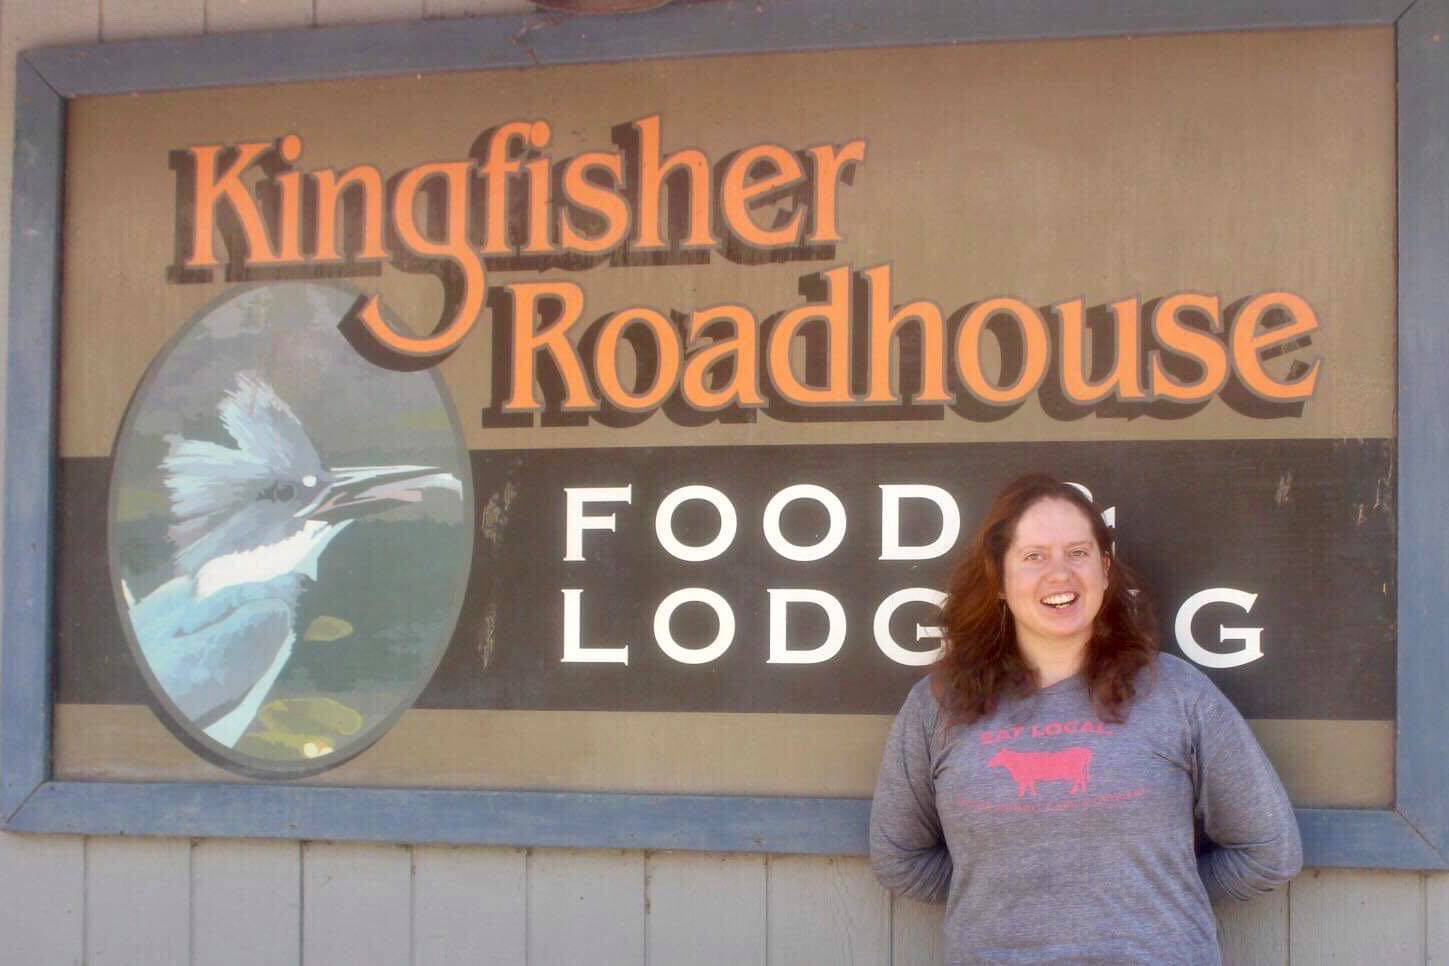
x=1055, y=573
x=1052, y=743
x=1011, y=630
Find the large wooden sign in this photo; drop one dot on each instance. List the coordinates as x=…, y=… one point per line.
x=599, y=437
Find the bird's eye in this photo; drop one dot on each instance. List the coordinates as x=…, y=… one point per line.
x=281, y=492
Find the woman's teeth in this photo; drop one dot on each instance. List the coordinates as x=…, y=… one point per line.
x=1060, y=600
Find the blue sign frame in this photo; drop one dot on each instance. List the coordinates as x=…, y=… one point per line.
x=1413, y=834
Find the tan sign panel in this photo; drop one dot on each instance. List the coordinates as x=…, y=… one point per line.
x=519, y=318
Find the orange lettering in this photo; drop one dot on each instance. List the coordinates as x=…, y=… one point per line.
x=212, y=189
x=497, y=168
x=653, y=172
x=606, y=359
x=330, y=187
x=553, y=339
x=1035, y=356
x=1247, y=344
x=455, y=247
x=830, y=164
x=540, y=191
x=735, y=195
x=885, y=325
x=1190, y=343
x=836, y=313
x=1125, y=379
x=289, y=184
x=586, y=195
x=743, y=388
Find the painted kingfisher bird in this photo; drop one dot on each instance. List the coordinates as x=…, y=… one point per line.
x=250, y=523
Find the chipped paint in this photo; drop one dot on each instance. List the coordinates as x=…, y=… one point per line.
x=523, y=42
x=1384, y=488
x=488, y=639
x=1285, y=488
x=494, y=518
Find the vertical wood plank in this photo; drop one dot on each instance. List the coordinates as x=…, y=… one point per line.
x=704, y=907
x=138, y=902
x=1356, y=917
x=469, y=906
x=127, y=19
x=356, y=904
x=585, y=907
x=223, y=15
x=826, y=910
x=365, y=11
x=236, y=885
x=46, y=24
x=1255, y=932
x=42, y=897
x=916, y=938
x=1436, y=915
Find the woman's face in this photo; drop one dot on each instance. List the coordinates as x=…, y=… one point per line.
x=1054, y=575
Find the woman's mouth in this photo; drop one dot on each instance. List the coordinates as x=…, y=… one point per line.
x=1060, y=601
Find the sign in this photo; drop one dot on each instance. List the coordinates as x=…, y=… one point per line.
x=614, y=427
x=723, y=394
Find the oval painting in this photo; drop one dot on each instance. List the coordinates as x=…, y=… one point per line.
x=290, y=532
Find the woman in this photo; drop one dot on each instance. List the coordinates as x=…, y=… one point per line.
x=1046, y=779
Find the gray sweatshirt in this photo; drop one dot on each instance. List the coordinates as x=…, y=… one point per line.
x=1053, y=836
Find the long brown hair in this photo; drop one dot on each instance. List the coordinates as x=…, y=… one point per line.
x=982, y=662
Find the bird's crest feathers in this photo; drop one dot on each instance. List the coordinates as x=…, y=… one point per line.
x=209, y=482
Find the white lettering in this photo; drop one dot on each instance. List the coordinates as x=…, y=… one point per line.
x=1251, y=637
x=804, y=491
x=1109, y=515
x=694, y=655
x=887, y=609
x=664, y=523
x=576, y=521
x=891, y=496
x=574, y=651
x=780, y=650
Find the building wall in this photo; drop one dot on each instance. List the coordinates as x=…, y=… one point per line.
x=162, y=901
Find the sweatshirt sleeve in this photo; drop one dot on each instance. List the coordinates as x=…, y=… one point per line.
x=907, y=850
x=1253, y=844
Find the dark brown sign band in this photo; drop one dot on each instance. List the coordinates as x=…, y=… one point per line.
x=800, y=580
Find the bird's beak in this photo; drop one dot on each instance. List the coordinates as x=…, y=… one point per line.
x=359, y=490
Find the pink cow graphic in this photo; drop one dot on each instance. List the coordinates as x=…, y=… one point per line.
x=1029, y=767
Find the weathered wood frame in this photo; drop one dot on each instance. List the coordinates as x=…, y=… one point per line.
x=1414, y=834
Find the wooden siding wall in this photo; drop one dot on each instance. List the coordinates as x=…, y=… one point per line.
x=164, y=901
